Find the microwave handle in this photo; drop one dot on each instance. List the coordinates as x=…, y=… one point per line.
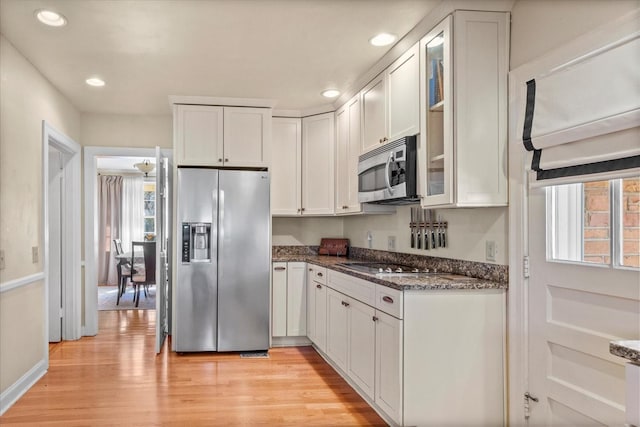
x=386, y=173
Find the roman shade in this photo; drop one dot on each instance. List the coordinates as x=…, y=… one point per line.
x=582, y=116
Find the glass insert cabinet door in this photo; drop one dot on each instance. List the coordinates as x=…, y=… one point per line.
x=436, y=108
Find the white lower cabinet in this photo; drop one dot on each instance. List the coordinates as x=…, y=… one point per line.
x=388, y=369
x=289, y=299
x=414, y=355
x=337, y=333
x=361, y=346
x=317, y=306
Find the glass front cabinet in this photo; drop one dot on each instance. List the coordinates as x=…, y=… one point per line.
x=463, y=105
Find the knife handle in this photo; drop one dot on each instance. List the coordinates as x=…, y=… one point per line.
x=433, y=239
x=413, y=242
x=419, y=242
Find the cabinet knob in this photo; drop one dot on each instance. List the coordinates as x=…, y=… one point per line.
x=220, y=160
x=226, y=160
x=298, y=210
x=311, y=269
x=346, y=304
x=319, y=286
x=319, y=274
x=387, y=299
x=302, y=209
x=374, y=318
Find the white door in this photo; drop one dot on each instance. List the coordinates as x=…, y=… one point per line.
x=403, y=78
x=362, y=346
x=374, y=120
x=286, y=163
x=318, y=144
x=163, y=243
x=337, y=324
x=55, y=195
x=575, y=309
x=247, y=135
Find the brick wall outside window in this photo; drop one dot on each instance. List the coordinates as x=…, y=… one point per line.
x=597, y=221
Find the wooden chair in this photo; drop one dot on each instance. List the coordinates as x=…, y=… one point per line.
x=123, y=268
x=143, y=275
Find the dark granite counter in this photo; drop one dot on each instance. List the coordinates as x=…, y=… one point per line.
x=629, y=350
x=446, y=280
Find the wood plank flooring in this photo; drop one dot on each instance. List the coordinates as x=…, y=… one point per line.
x=116, y=379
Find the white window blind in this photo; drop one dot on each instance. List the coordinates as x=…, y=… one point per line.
x=582, y=115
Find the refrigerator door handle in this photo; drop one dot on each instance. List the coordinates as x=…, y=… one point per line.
x=220, y=227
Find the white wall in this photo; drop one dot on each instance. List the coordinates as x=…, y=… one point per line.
x=119, y=130
x=304, y=231
x=26, y=99
x=468, y=230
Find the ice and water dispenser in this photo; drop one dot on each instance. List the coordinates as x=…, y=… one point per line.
x=196, y=242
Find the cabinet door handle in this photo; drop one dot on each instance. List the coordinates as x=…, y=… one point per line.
x=319, y=286
x=346, y=304
x=280, y=268
x=302, y=209
x=387, y=299
x=226, y=160
x=375, y=319
x=220, y=160
x=319, y=274
x=298, y=210
x=311, y=269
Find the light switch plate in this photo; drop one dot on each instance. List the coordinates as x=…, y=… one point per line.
x=391, y=243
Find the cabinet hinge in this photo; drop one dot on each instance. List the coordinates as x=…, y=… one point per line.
x=525, y=266
x=61, y=312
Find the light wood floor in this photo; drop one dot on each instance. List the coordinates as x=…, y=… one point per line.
x=116, y=379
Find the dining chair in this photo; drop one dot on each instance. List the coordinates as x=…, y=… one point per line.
x=124, y=270
x=143, y=274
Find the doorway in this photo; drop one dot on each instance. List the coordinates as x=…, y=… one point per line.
x=161, y=200
x=62, y=260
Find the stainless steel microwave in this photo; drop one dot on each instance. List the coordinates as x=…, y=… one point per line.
x=388, y=175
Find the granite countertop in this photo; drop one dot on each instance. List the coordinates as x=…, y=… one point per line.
x=629, y=350
x=406, y=283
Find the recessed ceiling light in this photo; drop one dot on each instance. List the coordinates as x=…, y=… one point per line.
x=95, y=81
x=51, y=18
x=382, y=39
x=330, y=93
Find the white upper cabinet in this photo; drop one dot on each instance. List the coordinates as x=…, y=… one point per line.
x=403, y=95
x=247, y=133
x=318, y=145
x=207, y=135
x=374, y=116
x=463, y=99
x=390, y=102
x=286, y=166
x=348, y=143
x=198, y=135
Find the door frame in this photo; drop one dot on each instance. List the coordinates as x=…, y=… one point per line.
x=90, y=180
x=70, y=234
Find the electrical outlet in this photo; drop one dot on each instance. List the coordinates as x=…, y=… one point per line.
x=391, y=243
x=370, y=239
x=1, y=259
x=34, y=254
x=490, y=249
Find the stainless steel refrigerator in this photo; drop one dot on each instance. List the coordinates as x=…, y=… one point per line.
x=222, y=289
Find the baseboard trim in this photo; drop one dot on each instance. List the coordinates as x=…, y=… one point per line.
x=21, y=281
x=20, y=387
x=289, y=341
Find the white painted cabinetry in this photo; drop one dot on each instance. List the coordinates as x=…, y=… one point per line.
x=390, y=102
x=414, y=355
x=289, y=300
x=318, y=147
x=317, y=306
x=207, y=135
x=463, y=99
x=286, y=166
x=348, y=146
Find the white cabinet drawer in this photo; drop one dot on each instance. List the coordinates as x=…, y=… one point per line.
x=319, y=274
x=359, y=289
x=389, y=300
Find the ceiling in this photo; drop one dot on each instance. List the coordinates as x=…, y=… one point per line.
x=145, y=50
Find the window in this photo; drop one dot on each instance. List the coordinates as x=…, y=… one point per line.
x=149, y=211
x=595, y=222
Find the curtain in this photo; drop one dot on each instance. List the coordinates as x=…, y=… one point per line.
x=109, y=207
x=580, y=115
x=132, y=211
